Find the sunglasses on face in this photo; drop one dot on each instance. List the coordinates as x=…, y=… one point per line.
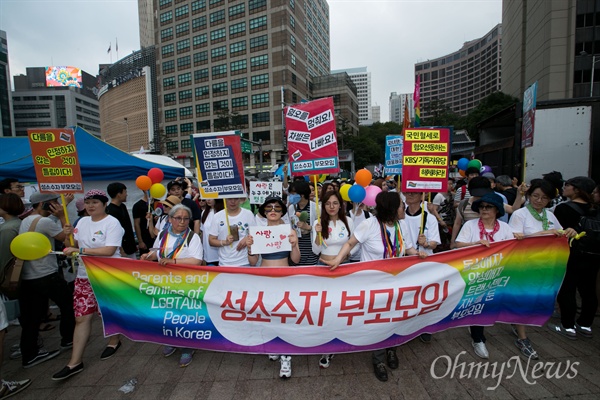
x=486, y=207
x=273, y=208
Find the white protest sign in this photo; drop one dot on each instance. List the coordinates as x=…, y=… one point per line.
x=270, y=239
x=259, y=191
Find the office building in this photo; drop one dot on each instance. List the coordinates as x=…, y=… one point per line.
x=7, y=124
x=460, y=80
x=376, y=114
x=234, y=65
x=362, y=80
x=55, y=97
x=397, y=102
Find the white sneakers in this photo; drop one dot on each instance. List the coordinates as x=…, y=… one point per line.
x=286, y=367
x=481, y=350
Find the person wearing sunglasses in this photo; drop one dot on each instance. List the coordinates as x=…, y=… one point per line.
x=273, y=209
x=484, y=230
x=177, y=244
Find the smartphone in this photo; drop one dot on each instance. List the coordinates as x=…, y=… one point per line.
x=233, y=229
x=46, y=206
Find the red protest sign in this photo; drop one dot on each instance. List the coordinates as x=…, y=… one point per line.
x=55, y=159
x=311, y=137
x=426, y=152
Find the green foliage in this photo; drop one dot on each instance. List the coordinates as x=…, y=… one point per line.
x=369, y=144
x=489, y=106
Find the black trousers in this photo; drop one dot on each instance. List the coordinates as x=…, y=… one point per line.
x=580, y=276
x=477, y=333
x=33, y=301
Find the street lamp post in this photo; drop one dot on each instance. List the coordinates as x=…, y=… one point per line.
x=584, y=53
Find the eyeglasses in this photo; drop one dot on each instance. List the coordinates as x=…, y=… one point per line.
x=538, y=197
x=486, y=207
x=334, y=204
x=181, y=219
x=273, y=208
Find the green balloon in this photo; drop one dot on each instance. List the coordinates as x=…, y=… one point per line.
x=474, y=164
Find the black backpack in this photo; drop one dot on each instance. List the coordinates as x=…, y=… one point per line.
x=590, y=224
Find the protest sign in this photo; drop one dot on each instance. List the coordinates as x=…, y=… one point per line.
x=425, y=156
x=270, y=239
x=393, y=154
x=312, y=310
x=259, y=191
x=55, y=160
x=220, y=165
x=311, y=137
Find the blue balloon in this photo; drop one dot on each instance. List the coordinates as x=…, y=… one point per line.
x=462, y=164
x=357, y=193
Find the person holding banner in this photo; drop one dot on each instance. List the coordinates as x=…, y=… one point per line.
x=386, y=236
x=177, y=243
x=484, y=230
x=99, y=234
x=228, y=232
x=535, y=220
x=273, y=209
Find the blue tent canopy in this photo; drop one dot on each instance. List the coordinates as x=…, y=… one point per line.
x=99, y=161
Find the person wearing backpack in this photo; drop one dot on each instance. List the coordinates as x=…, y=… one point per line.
x=582, y=266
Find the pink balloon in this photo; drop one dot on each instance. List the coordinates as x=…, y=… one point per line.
x=372, y=192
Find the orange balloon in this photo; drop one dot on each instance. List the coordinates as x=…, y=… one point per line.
x=461, y=172
x=143, y=182
x=363, y=177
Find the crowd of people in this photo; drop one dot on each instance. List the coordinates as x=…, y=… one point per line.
x=477, y=210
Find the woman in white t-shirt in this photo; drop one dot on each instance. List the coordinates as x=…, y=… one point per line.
x=211, y=254
x=177, y=243
x=99, y=234
x=484, y=230
x=386, y=236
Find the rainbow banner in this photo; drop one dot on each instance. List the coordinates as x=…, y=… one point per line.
x=311, y=310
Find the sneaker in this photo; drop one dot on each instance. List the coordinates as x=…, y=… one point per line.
x=13, y=387
x=380, y=372
x=481, y=350
x=392, y=359
x=513, y=329
x=15, y=355
x=525, y=346
x=110, y=351
x=583, y=330
x=67, y=372
x=43, y=355
x=274, y=357
x=561, y=330
x=325, y=360
x=425, y=337
x=285, y=371
x=15, y=349
x=186, y=359
x=66, y=346
x=168, y=351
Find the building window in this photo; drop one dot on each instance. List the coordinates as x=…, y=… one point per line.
x=254, y=5
x=262, y=98
x=201, y=58
x=187, y=127
x=184, y=62
x=237, y=47
x=256, y=23
x=166, y=34
x=217, y=17
x=293, y=58
x=199, y=23
x=239, y=84
x=203, y=125
x=259, y=41
x=171, y=130
x=237, y=10
x=218, y=70
x=202, y=108
x=292, y=22
x=168, y=66
x=293, y=41
x=260, y=80
x=219, y=88
x=261, y=117
x=239, y=102
x=237, y=29
x=170, y=99
x=200, y=75
x=238, y=66
x=186, y=145
x=166, y=17
x=183, y=45
x=218, y=52
x=186, y=111
x=172, y=147
x=220, y=105
x=170, y=114
x=259, y=61
x=184, y=79
x=182, y=12
x=292, y=4
x=199, y=40
x=164, y=3
x=215, y=3
x=168, y=82
x=185, y=95
x=198, y=5
x=167, y=50
x=217, y=34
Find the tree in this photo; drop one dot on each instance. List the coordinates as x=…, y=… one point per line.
x=489, y=106
x=227, y=121
x=158, y=145
x=439, y=114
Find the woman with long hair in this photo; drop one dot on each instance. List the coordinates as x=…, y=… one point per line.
x=582, y=268
x=386, y=236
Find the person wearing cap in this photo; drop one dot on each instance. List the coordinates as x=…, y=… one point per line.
x=98, y=234
x=273, y=210
x=556, y=180
x=484, y=230
x=228, y=232
x=117, y=208
x=582, y=269
x=178, y=188
x=40, y=280
x=463, y=192
x=163, y=221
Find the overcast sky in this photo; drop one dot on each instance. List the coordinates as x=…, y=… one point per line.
x=386, y=36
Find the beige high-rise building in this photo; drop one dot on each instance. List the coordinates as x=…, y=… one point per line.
x=233, y=64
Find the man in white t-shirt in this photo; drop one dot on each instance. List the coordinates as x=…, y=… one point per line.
x=228, y=231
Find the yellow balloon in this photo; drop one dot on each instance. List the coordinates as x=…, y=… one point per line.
x=158, y=190
x=30, y=246
x=344, y=191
